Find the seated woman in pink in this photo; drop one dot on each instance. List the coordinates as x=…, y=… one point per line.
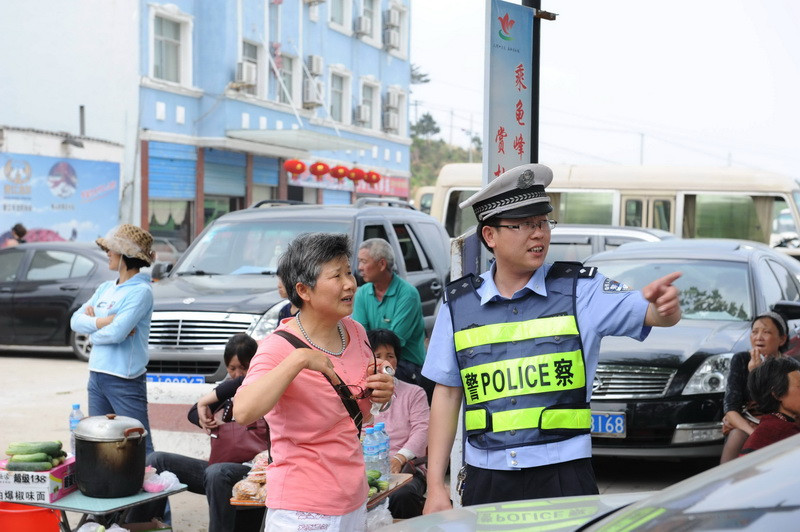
x=775, y=386
x=317, y=478
x=406, y=422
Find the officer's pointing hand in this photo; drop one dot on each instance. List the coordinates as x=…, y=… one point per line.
x=664, y=302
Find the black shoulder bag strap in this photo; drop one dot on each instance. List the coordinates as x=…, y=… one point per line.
x=341, y=390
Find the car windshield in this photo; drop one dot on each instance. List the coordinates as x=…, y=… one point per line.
x=710, y=290
x=247, y=247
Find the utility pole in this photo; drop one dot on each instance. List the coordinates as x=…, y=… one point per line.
x=451, y=126
x=641, y=149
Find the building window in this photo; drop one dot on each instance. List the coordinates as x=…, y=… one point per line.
x=250, y=57
x=286, y=93
x=171, y=45
x=167, y=50
x=371, y=12
x=337, y=97
x=337, y=12
x=341, y=15
x=369, y=108
x=395, y=30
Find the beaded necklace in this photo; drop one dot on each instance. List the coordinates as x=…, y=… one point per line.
x=315, y=346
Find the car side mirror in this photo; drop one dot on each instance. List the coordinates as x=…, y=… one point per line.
x=790, y=310
x=160, y=270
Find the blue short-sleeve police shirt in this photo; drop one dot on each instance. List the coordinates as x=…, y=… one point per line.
x=603, y=310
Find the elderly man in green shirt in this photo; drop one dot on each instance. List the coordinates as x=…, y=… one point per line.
x=386, y=301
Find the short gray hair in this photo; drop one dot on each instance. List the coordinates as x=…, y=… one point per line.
x=303, y=260
x=378, y=249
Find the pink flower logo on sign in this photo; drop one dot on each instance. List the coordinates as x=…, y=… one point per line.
x=506, y=24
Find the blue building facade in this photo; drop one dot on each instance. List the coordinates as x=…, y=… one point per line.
x=232, y=90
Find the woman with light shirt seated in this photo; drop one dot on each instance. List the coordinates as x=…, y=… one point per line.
x=406, y=423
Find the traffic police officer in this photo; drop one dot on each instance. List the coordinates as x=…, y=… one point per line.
x=519, y=347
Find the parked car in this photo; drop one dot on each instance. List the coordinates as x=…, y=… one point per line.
x=663, y=397
x=41, y=285
x=579, y=241
x=760, y=491
x=225, y=282
x=168, y=249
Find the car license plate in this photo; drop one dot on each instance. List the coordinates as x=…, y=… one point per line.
x=168, y=377
x=608, y=424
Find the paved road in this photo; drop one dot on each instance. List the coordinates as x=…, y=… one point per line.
x=39, y=390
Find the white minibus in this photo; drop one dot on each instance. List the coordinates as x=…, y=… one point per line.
x=686, y=201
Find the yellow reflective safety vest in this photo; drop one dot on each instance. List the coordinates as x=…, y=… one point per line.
x=521, y=362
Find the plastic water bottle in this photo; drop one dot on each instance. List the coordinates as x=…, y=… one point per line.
x=371, y=450
x=74, y=417
x=383, y=439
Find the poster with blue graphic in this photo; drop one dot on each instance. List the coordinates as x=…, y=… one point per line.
x=58, y=198
x=508, y=86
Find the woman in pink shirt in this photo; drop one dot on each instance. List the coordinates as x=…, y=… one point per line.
x=317, y=479
x=406, y=422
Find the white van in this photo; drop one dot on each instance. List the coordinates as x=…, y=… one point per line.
x=686, y=201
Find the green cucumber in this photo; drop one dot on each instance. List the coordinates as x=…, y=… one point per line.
x=52, y=448
x=35, y=457
x=29, y=466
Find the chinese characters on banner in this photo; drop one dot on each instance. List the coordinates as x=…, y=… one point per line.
x=508, y=98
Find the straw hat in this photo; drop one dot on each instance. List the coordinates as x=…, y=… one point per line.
x=128, y=240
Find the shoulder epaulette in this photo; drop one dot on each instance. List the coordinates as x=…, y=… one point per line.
x=571, y=269
x=461, y=286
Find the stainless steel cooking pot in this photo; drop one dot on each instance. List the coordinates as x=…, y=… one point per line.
x=109, y=456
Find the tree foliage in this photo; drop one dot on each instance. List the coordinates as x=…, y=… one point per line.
x=418, y=77
x=428, y=156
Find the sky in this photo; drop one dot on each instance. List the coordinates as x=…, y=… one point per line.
x=686, y=82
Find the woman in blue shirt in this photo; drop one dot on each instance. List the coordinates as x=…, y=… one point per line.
x=117, y=320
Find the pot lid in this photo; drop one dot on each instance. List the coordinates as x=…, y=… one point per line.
x=109, y=427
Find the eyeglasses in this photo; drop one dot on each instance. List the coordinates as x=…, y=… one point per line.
x=351, y=391
x=530, y=227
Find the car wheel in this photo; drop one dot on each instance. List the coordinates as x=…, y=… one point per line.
x=81, y=345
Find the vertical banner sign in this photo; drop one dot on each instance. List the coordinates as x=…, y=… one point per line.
x=58, y=198
x=507, y=87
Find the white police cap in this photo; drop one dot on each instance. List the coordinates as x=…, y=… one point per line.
x=517, y=193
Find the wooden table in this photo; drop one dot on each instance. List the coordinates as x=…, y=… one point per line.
x=396, y=481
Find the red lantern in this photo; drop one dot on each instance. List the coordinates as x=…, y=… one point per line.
x=339, y=172
x=372, y=178
x=294, y=167
x=319, y=169
x=355, y=174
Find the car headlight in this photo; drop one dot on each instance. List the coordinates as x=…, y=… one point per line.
x=711, y=376
x=266, y=323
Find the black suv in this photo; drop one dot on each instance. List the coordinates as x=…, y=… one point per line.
x=225, y=282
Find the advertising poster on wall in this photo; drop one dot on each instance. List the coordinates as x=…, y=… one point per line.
x=58, y=198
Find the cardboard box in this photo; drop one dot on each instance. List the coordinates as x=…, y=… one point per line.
x=32, y=487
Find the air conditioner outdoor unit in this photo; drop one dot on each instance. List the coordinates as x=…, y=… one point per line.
x=391, y=121
x=312, y=93
x=315, y=65
x=391, y=38
x=246, y=73
x=363, y=114
x=363, y=26
x=391, y=18
x=392, y=100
